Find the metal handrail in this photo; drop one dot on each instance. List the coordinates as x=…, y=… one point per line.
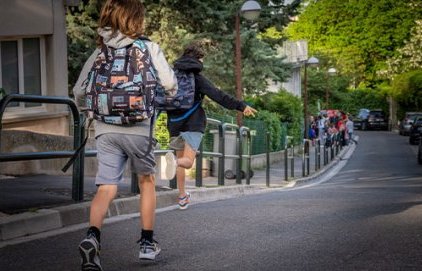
x=77, y=175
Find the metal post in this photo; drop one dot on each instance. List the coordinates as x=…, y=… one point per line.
x=317, y=150
x=198, y=173
x=308, y=163
x=221, y=159
x=239, y=160
x=292, y=165
x=268, y=160
x=78, y=165
x=303, y=156
x=244, y=131
x=286, y=164
x=134, y=186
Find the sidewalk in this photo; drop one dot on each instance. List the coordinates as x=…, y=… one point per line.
x=34, y=204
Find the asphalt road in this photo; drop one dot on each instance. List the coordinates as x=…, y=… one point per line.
x=367, y=217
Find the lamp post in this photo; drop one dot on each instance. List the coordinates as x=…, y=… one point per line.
x=330, y=72
x=250, y=10
x=312, y=61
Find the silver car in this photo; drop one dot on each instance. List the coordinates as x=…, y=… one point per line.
x=406, y=123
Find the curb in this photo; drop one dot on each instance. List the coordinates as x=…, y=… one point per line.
x=44, y=220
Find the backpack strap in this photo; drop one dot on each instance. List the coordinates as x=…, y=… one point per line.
x=78, y=150
x=187, y=113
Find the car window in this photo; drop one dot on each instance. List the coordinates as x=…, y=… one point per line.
x=418, y=121
x=377, y=114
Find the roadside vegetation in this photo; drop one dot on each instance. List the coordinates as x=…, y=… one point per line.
x=374, y=46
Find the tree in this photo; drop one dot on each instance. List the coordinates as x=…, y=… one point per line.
x=174, y=23
x=81, y=32
x=408, y=57
x=359, y=35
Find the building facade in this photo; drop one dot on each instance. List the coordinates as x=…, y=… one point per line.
x=33, y=60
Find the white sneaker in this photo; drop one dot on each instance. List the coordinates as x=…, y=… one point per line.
x=171, y=166
x=184, y=201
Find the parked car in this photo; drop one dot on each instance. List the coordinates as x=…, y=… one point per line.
x=406, y=123
x=371, y=119
x=415, y=131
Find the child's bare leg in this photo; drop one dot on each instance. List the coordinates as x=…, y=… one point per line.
x=185, y=160
x=147, y=203
x=99, y=206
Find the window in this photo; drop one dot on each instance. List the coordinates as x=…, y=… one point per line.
x=22, y=68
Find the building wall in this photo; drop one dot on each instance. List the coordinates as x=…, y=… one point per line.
x=43, y=20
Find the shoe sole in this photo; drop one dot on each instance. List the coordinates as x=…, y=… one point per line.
x=150, y=256
x=170, y=169
x=183, y=207
x=88, y=253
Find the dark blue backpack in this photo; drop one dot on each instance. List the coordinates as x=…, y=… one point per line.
x=184, y=99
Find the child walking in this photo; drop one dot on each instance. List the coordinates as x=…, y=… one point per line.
x=121, y=24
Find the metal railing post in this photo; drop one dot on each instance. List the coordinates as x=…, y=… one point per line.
x=134, y=187
x=245, y=132
x=198, y=173
x=222, y=150
x=292, y=162
x=304, y=156
x=267, y=175
x=78, y=165
x=239, y=160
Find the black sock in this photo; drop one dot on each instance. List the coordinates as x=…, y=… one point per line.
x=94, y=231
x=147, y=235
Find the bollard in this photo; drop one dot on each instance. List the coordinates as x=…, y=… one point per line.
x=286, y=164
x=292, y=163
x=267, y=179
x=198, y=173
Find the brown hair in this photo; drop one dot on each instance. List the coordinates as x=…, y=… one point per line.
x=126, y=16
x=194, y=50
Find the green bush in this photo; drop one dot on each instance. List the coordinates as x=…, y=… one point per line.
x=161, y=132
x=288, y=108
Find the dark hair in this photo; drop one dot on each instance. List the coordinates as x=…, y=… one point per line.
x=194, y=50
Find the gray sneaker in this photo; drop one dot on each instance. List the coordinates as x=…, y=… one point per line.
x=89, y=249
x=148, y=250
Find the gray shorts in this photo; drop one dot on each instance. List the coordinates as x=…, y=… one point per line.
x=192, y=138
x=113, y=150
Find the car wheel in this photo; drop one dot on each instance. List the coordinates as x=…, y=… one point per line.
x=411, y=141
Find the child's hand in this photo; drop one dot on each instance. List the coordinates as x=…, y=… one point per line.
x=249, y=111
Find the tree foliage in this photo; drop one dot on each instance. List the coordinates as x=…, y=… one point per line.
x=172, y=24
x=408, y=57
x=287, y=106
x=359, y=35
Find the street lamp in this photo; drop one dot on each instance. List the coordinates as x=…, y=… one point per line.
x=250, y=10
x=312, y=61
x=330, y=72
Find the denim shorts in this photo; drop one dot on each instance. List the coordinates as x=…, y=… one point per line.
x=192, y=138
x=113, y=151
